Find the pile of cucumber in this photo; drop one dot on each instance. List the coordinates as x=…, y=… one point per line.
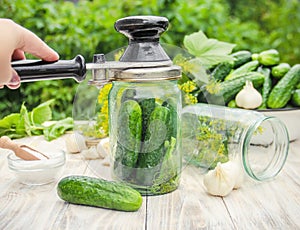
x=278, y=82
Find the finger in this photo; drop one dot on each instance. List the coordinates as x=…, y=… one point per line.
x=18, y=55
x=29, y=42
x=15, y=81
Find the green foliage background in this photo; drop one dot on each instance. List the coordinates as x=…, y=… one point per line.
x=87, y=27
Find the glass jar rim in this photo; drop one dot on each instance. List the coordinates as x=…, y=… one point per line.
x=279, y=157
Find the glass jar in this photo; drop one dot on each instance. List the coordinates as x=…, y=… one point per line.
x=145, y=134
x=212, y=134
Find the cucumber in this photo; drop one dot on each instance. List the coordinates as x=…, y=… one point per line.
x=296, y=98
x=241, y=57
x=222, y=70
x=97, y=192
x=147, y=106
x=266, y=86
x=129, y=133
x=127, y=94
x=157, y=133
x=228, y=89
x=282, y=91
x=254, y=56
x=172, y=125
x=280, y=70
x=248, y=67
x=269, y=57
x=167, y=179
x=232, y=104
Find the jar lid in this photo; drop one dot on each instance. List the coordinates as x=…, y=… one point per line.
x=149, y=74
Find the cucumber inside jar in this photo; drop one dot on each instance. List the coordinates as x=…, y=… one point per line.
x=145, y=145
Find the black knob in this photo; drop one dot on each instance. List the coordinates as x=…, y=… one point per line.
x=143, y=33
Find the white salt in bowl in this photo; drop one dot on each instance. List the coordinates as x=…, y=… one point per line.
x=37, y=172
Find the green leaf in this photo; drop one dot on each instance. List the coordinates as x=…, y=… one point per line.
x=23, y=126
x=41, y=113
x=12, y=126
x=58, y=128
x=208, y=52
x=16, y=124
x=9, y=121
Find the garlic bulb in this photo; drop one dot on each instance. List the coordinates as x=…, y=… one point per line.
x=240, y=174
x=248, y=97
x=221, y=180
x=75, y=143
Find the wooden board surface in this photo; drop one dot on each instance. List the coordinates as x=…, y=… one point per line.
x=268, y=205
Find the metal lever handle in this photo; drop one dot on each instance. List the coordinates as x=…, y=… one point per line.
x=36, y=70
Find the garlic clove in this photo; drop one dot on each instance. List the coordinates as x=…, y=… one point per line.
x=75, y=143
x=90, y=153
x=248, y=97
x=221, y=180
x=240, y=174
x=239, y=181
x=103, y=148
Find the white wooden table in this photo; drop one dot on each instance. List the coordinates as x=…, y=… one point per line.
x=269, y=205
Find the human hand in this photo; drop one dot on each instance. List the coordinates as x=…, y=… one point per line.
x=15, y=40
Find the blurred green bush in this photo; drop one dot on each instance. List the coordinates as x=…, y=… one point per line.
x=86, y=27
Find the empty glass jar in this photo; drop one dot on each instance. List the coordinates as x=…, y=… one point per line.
x=212, y=134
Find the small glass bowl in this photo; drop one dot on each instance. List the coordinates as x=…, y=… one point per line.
x=37, y=172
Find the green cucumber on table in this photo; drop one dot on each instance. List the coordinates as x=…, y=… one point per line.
x=296, y=98
x=266, y=88
x=280, y=70
x=228, y=89
x=282, y=91
x=269, y=57
x=222, y=70
x=245, y=68
x=241, y=57
x=97, y=192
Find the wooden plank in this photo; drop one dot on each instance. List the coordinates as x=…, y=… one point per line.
x=189, y=207
x=83, y=217
x=31, y=207
x=269, y=205
x=5, y=178
x=27, y=207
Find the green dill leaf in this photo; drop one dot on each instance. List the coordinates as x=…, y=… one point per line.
x=197, y=69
